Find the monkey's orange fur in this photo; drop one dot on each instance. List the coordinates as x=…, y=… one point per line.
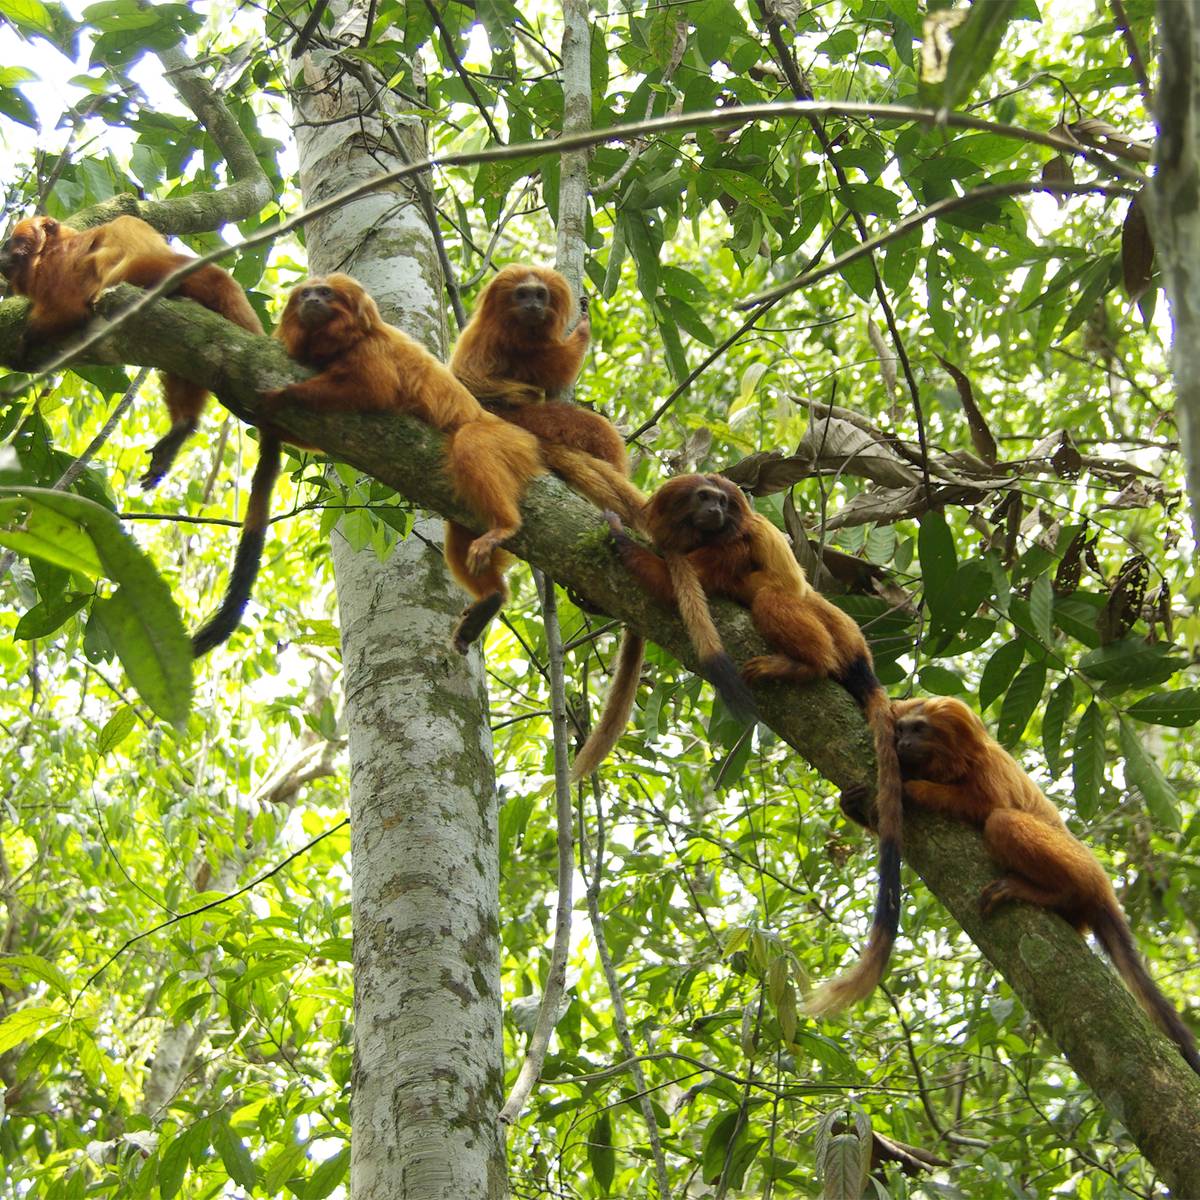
x=366, y=365
x=707, y=531
x=514, y=357
x=63, y=270
x=951, y=765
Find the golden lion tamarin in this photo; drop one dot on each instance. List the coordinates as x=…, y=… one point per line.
x=63, y=270
x=516, y=357
x=366, y=365
x=951, y=765
x=708, y=534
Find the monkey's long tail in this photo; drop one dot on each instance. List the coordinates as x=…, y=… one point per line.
x=715, y=664
x=1115, y=936
x=249, y=551
x=861, y=979
x=618, y=704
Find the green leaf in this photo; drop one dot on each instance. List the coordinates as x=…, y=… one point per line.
x=999, y=672
x=328, y=1175
x=1148, y=778
x=35, y=530
x=601, y=1155
x=940, y=681
x=48, y=615
x=1020, y=702
x=716, y=1145
x=233, y=1152
x=1054, y=719
x=156, y=657
x=1132, y=662
x=34, y=966
x=939, y=562
x=1041, y=607
x=285, y=1163
x=31, y=15
x=25, y=1024
x=975, y=44
x=1181, y=708
x=1087, y=761
x=172, y=1165
x=116, y=729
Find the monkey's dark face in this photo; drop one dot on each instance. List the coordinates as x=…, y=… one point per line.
x=324, y=317
x=29, y=238
x=314, y=304
x=531, y=303
x=710, y=509
x=913, y=734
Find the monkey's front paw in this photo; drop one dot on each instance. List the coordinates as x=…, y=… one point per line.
x=996, y=893
x=584, y=304
x=854, y=802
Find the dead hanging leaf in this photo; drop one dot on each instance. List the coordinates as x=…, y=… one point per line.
x=1102, y=135
x=1136, y=494
x=1160, y=607
x=804, y=550
x=1012, y=526
x=981, y=435
x=1058, y=173
x=834, y=444
x=1137, y=251
x=768, y=471
x=1061, y=451
x=936, y=42
x=1066, y=578
x=886, y=506
x=1124, y=604
x=887, y=359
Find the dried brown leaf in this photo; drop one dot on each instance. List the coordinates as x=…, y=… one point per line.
x=1137, y=250
x=981, y=435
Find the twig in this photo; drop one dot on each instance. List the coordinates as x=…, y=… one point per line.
x=995, y=191
x=556, y=974
x=1136, y=61
x=463, y=73
x=137, y=937
x=620, y=1019
x=713, y=118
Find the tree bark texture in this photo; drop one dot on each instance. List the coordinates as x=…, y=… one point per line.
x=1173, y=212
x=1066, y=987
x=428, y=1052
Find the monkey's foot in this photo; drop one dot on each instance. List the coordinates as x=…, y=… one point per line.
x=480, y=551
x=998, y=892
x=614, y=523
x=854, y=803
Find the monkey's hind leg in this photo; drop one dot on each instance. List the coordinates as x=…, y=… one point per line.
x=185, y=402
x=1046, y=866
x=488, y=587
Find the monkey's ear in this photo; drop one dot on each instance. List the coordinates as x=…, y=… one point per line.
x=50, y=226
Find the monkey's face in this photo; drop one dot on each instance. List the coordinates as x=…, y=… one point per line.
x=29, y=238
x=691, y=511
x=937, y=738
x=530, y=302
x=709, y=511
x=325, y=316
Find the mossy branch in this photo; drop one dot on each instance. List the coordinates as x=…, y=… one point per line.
x=1068, y=989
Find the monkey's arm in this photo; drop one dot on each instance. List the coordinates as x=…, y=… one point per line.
x=559, y=363
x=947, y=798
x=336, y=389
x=644, y=565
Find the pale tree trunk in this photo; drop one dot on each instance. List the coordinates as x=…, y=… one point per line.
x=1174, y=216
x=428, y=1066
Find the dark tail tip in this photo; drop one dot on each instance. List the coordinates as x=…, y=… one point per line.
x=887, y=903
x=237, y=594
x=720, y=671
x=474, y=621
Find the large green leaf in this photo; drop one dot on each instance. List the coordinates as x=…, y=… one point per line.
x=141, y=618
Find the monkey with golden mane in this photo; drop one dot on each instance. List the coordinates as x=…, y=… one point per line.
x=366, y=365
x=63, y=270
x=516, y=357
x=710, y=541
x=951, y=765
